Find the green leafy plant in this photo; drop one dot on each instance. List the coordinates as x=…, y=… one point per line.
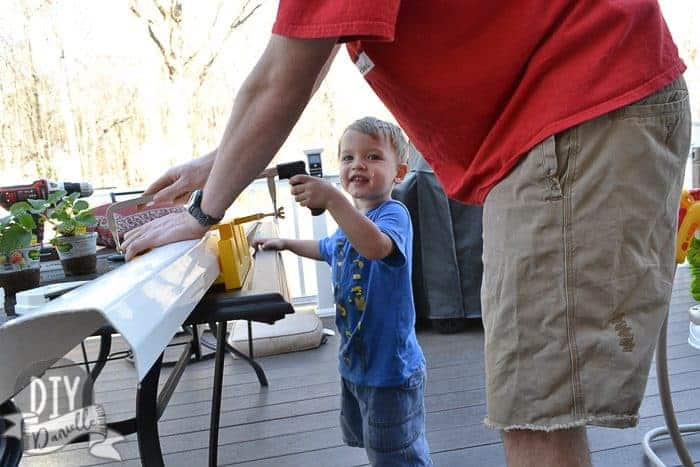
x=16, y=233
x=69, y=215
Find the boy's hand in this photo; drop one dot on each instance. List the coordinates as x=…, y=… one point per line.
x=312, y=192
x=269, y=244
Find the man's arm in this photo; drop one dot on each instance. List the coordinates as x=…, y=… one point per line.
x=178, y=182
x=265, y=109
x=264, y=112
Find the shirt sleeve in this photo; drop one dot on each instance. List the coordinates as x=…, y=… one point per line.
x=325, y=246
x=395, y=221
x=348, y=20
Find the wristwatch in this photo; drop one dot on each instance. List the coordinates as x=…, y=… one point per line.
x=193, y=207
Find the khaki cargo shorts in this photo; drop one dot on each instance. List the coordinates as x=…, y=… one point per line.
x=579, y=247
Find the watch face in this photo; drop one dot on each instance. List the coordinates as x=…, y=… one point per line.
x=193, y=196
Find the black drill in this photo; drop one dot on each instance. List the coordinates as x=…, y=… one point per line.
x=290, y=169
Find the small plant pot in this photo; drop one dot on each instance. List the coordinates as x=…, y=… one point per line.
x=77, y=253
x=20, y=270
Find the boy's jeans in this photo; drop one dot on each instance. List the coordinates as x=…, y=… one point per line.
x=388, y=422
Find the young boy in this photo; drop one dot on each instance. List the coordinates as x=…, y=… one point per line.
x=381, y=364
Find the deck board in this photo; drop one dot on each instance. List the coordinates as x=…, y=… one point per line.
x=294, y=422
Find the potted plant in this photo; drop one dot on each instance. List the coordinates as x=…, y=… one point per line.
x=19, y=250
x=70, y=218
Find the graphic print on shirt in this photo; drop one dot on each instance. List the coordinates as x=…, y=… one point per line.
x=349, y=295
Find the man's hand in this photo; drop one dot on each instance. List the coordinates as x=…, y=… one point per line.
x=167, y=229
x=269, y=244
x=178, y=182
x=313, y=192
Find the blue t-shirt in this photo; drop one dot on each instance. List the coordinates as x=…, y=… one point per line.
x=374, y=303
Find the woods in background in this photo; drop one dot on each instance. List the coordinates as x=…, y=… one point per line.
x=114, y=91
x=63, y=106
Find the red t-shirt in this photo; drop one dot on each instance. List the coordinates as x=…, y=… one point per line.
x=475, y=85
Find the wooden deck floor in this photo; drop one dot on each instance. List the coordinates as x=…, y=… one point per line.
x=294, y=422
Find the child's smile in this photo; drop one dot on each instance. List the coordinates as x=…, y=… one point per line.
x=368, y=168
x=359, y=179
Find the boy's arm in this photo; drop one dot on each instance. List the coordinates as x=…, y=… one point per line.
x=363, y=234
x=305, y=248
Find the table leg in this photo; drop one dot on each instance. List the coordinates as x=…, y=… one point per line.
x=105, y=348
x=256, y=366
x=259, y=372
x=216, y=398
x=196, y=346
x=147, y=418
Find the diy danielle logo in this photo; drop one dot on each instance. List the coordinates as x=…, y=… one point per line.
x=60, y=412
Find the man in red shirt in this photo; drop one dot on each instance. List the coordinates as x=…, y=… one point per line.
x=568, y=120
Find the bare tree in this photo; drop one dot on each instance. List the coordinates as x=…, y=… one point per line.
x=186, y=67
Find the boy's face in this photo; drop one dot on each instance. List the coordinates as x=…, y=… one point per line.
x=369, y=167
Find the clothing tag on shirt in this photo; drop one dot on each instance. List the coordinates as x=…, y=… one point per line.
x=364, y=64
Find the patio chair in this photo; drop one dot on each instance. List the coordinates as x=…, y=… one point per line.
x=447, y=250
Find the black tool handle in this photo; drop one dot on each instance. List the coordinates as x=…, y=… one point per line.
x=291, y=169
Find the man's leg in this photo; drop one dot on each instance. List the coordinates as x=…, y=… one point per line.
x=578, y=267
x=525, y=448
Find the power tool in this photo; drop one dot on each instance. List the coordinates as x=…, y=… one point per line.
x=40, y=189
x=290, y=169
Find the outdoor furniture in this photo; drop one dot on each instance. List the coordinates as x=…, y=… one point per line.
x=447, y=249
x=146, y=301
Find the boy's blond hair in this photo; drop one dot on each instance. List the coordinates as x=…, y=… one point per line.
x=374, y=127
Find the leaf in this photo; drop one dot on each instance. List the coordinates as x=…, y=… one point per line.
x=55, y=197
x=14, y=237
x=80, y=205
x=59, y=194
x=86, y=218
x=67, y=228
x=19, y=207
x=60, y=215
x=72, y=197
x=38, y=204
x=25, y=220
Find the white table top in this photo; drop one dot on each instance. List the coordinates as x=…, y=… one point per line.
x=145, y=300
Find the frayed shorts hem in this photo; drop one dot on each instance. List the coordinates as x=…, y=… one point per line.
x=608, y=421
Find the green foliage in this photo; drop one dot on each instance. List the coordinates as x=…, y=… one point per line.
x=66, y=213
x=69, y=215
x=16, y=229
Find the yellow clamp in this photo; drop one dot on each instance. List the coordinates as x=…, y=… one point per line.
x=234, y=255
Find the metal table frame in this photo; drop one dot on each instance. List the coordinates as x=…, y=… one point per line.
x=258, y=300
